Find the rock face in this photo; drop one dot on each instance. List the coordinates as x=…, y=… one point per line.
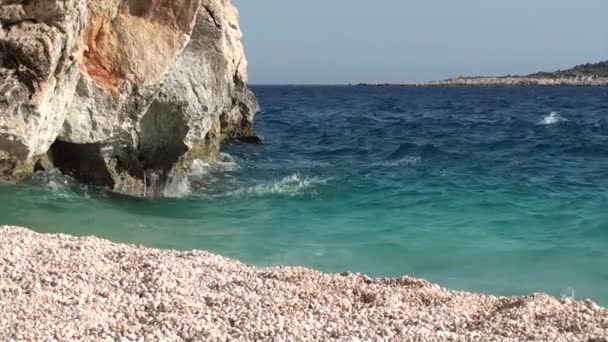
x=120, y=93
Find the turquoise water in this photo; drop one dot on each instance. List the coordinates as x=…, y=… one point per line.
x=495, y=190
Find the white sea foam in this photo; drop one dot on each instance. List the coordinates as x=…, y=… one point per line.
x=177, y=187
x=408, y=161
x=59, y=189
x=60, y=186
x=552, y=119
x=568, y=293
x=290, y=185
x=227, y=158
x=201, y=168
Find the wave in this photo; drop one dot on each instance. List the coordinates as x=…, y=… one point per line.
x=59, y=186
x=290, y=185
x=408, y=161
x=226, y=163
x=552, y=119
x=407, y=150
x=59, y=190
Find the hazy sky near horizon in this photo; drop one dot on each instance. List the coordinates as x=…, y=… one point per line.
x=350, y=41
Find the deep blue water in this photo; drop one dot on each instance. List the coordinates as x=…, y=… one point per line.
x=482, y=189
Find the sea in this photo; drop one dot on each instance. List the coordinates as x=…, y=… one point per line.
x=498, y=190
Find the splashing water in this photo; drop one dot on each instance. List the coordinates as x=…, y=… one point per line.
x=60, y=187
x=177, y=187
x=553, y=118
x=290, y=186
x=568, y=293
x=201, y=168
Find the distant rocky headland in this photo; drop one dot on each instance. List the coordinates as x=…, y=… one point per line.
x=588, y=75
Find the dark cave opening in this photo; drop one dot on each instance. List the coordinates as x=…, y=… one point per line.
x=81, y=161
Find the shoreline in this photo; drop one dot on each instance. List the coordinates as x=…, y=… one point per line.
x=63, y=287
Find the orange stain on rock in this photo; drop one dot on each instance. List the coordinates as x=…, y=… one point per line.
x=101, y=60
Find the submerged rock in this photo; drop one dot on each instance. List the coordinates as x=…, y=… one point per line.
x=249, y=139
x=122, y=94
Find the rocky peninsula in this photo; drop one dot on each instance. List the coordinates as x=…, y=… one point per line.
x=58, y=287
x=584, y=75
x=579, y=81
x=120, y=94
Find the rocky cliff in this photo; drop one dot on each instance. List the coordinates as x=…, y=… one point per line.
x=123, y=94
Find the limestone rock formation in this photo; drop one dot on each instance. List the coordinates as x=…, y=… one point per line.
x=119, y=93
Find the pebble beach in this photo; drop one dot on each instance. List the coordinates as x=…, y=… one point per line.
x=59, y=287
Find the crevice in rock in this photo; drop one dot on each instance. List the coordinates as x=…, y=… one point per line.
x=62, y=60
x=125, y=162
x=238, y=81
x=249, y=139
x=224, y=121
x=38, y=167
x=212, y=16
x=6, y=25
x=43, y=163
x=81, y=161
x=9, y=60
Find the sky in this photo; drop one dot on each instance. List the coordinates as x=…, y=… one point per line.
x=352, y=41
